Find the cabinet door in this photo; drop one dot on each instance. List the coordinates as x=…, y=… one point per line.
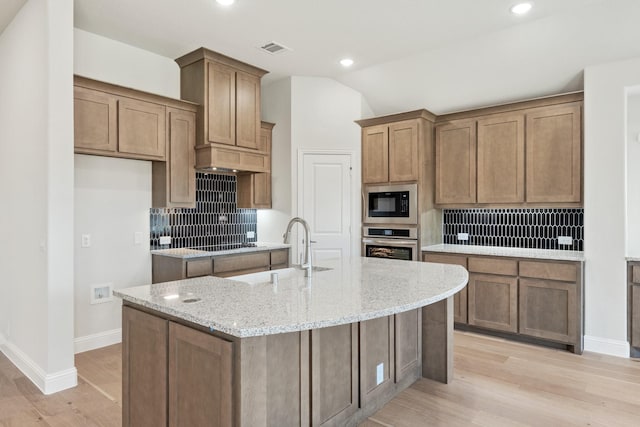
x=403, y=151
x=554, y=154
x=262, y=190
x=548, y=310
x=635, y=316
x=408, y=343
x=200, y=378
x=182, y=159
x=247, y=110
x=144, y=369
x=334, y=374
x=221, y=104
x=376, y=358
x=460, y=298
x=456, y=163
x=141, y=128
x=375, y=154
x=493, y=302
x=95, y=120
x=501, y=159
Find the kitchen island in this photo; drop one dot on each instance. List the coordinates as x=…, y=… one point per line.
x=325, y=350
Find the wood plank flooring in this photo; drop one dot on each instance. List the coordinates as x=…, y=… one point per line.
x=497, y=383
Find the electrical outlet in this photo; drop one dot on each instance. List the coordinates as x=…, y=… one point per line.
x=251, y=235
x=101, y=293
x=565, y=240
x=85, y=241
x=165, y=240
x=463, y=236
x=379, y=373
x=137, y=238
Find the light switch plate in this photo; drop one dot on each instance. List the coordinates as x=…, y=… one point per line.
x=137, y=237
x=565, y=240
x=463, y=236
x=165, y=240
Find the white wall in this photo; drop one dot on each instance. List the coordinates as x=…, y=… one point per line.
x=310, y=113
x=605, y=204
x=113, y=196
x=633, y=173
x=36, y=187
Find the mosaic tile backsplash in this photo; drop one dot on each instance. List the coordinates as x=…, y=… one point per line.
x=515, y=228
x=215, y=223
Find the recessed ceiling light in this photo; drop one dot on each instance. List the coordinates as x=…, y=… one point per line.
x=226, y=2
x=346, y=62
x=521, y=8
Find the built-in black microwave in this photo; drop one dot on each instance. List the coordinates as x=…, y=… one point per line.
x=391, y=204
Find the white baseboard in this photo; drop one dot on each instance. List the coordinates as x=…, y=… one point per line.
x=47, y=383
x=99, y=340
x=606, y=346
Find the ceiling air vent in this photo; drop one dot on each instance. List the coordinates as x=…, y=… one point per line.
x=274, y=47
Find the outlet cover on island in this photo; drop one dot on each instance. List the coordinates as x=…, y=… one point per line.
x=463, y=236
x=379, y=373
x=165, y=240
x=565, y=240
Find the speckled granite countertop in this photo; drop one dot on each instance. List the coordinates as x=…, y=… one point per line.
x=355, y=289
x=507, y=252
x=197, y=253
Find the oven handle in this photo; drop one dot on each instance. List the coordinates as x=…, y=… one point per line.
x=390, y=242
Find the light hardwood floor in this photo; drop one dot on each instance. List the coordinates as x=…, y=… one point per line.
x=497, y=383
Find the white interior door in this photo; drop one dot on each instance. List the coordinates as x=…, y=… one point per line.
x=325, y=196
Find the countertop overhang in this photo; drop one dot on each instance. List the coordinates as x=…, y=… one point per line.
x=550, y=254
x=186, y=253
x=355, y=289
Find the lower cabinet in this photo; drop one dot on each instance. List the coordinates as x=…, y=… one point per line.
x=174, y=375
x=376, y=357
x=167, y=268
x=460, y=298
x=542, y=299
x=334, y=374
x=633, y=279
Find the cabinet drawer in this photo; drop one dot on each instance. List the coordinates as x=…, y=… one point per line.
x=445, y=259
x=567, y=272
x=199, y=267
x=279, y=257
x=241, y=262
x=505, y=267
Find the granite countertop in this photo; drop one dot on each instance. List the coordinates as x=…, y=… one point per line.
x=632, y=258
x=354, y=289
x=508, y=252
x=198, y=253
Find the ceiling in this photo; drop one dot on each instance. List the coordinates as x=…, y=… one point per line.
x=434, y=54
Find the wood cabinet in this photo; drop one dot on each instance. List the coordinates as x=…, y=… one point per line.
x=408, y=345
x=456, y=162
x=377, y=354
x=174, y=181
x=200, y=378
x=554, y=154
x=168, y=268
x=521, y=154
x=460, y=298
x=169, y=370
x=115, y=121
x=254, y=190
x=229, y=119
x=500, y=162
x=542, y=299
x=397, y=148
x=144, y=369
x=334, y=374
x=633, y=295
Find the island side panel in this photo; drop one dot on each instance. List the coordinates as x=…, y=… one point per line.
x=437, y=341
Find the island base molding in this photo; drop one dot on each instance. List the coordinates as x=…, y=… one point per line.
x=175, y=371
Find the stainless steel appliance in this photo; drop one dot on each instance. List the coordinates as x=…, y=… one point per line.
x=391, y=204
x=395, y=242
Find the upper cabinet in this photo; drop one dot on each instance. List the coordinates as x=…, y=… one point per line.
x=115, y=121
x=392, y=146
x=254, y=189
x=524, y=154
x=229, y=94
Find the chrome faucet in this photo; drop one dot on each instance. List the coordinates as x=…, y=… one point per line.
x=307, y=243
